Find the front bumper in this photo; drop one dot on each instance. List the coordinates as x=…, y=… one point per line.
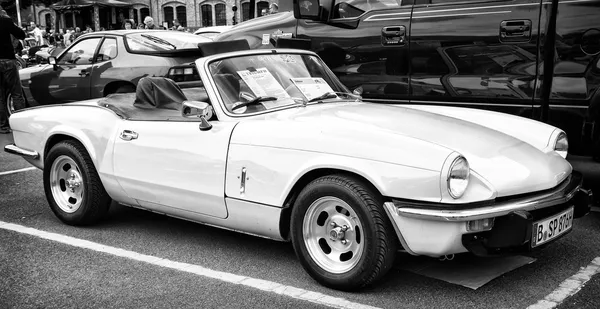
x=436, y=231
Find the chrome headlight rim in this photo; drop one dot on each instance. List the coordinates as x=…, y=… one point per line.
x=459, y=160
x=557, y=139
x=449, y=190
x=564, y=144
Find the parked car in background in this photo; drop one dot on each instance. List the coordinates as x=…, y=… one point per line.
x=211, y=32
x=101, y=63
x=486, y=54
x=275, y=145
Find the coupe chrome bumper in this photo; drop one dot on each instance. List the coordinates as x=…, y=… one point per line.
x=14, y=149
x=561, y=194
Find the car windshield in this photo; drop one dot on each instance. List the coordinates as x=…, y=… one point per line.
x=155, y=41
x=255, y=83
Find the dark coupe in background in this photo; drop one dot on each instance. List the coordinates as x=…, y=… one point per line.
x=106, y=62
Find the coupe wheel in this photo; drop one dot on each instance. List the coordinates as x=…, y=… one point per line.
x=10, y=105
x=341, y=233
x=72, y=185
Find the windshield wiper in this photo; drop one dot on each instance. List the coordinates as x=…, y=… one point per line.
x=253, y=102
x=332, y=95
x=158, y=40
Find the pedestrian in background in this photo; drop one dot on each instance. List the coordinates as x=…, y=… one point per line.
x=9, y=74
x=128, y=24
x=149, y=22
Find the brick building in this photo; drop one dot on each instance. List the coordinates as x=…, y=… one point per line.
x=191, y=14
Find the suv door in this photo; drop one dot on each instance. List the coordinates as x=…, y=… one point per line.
x=476, y=53
x=575, y=94
x=366, y=46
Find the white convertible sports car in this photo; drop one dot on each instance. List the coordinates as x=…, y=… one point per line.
x=274, y=145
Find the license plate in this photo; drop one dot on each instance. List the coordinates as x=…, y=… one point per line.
x=551, y=228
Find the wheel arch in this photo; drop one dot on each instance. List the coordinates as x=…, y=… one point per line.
x=111, y=87
x=57, y=137
x=303, y=181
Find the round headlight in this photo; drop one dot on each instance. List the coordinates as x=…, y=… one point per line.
x=458, y=177
x=561, y=146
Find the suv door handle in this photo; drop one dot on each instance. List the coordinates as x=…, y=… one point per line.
x=393, y=36
x=84, y=73
x=515, y=31
x=128, y=135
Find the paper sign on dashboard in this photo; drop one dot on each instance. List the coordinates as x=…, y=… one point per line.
x=262, y=83
x=312, y=87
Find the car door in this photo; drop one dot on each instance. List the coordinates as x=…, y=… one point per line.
x=172, y=166
x=366, y=45
x=103, y=70
x=72, y=78
x=475, y=53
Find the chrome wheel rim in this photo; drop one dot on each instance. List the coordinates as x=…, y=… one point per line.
x=333, y=235
x=66, y=184
x=10, y=105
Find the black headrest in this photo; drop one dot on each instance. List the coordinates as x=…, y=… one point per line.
x=158, y=92
x=293, y=43
x=214, y=48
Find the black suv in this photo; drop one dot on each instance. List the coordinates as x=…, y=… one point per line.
x=481, y=53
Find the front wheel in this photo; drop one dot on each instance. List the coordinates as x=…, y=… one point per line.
x=341, y=233
x=72, y=185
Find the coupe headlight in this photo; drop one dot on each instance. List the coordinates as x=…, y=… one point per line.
x=561, y=146
x=458, y=177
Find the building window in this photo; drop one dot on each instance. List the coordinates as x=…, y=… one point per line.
x=221, y=19
x=245, y=11
x=135, y=16
x=144, y=12
x=181, y=15
x=260, y=6
x=206, y=10
x=48, y=20
x=68, y=20
x=168, y=15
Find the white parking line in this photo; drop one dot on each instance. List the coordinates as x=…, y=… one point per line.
x=569, y=287
x=18, y=171
x=264, y=285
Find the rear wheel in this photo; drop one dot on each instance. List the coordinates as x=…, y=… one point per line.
x=72, y=185
x=341, y=233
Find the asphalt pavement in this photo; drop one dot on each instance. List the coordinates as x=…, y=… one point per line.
x=42, y=273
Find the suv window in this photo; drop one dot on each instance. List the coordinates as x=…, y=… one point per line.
x=80, y=53
x=355, y=8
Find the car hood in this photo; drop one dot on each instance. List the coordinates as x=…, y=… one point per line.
x=510, y=165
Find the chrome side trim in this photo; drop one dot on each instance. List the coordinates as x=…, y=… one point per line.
x=14, y=149
x=390, y=209
x=560, y=195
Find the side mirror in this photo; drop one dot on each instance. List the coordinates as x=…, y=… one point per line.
x=312, y=10
x=52, y=61
x=196, y=109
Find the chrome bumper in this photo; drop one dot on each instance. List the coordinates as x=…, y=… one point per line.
x=556, y=196
x=14, y=149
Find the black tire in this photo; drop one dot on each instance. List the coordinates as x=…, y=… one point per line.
x=10, y=107
x=21, y=64
x=379, y=242
x=94, y=202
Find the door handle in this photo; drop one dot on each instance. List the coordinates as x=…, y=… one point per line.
x=515, y=31
x=128, y=135
x=393, y=36
x=84, y=73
